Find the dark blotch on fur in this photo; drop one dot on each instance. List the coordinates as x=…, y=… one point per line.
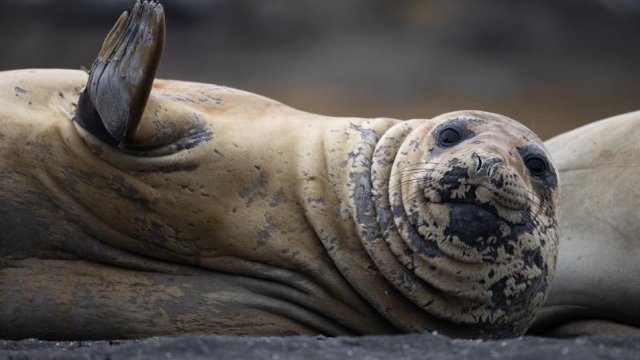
x=452, y=178
x=473, y=224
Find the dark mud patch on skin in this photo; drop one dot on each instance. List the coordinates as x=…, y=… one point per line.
x=278, y=198
x=204, y=98
x=166, y=237
x=473, y=224
x=217, y=152
x=367, y=135
x=24, y=234
x=73, y=177
x=168, y=140
x=452, y=180
x=265, y=233
x=193, y=138
x=514, y=305
x=129, y=192
x=257, y=187
x=19, y=91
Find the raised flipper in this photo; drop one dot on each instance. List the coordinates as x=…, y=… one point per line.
x=122, y=75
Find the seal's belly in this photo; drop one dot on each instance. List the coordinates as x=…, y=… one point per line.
x=56, y=299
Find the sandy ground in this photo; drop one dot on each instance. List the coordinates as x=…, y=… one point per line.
x=407, y=347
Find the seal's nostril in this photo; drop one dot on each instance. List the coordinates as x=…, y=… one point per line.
x=493, y=167
x=487, y=164
x=479, y=163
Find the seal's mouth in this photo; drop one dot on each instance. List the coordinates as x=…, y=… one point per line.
x=472, y=221
x=470, y=232
x=501, y=207
x=501, y=194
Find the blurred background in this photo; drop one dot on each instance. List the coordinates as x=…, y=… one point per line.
x=551, y=64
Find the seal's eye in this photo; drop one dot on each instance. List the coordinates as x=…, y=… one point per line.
x=539, y=165
x=449, y=137
x=536, y=165
x=452, y=133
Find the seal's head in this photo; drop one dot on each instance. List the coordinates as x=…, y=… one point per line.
x=472, y=198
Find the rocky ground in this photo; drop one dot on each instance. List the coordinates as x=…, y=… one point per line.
x=425, y=346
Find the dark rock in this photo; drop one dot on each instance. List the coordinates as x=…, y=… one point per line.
x=316, y=348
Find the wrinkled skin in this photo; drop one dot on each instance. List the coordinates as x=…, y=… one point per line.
x=596, y=289
x=220, y=211
x=227, y=226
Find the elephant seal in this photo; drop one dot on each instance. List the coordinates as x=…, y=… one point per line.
x=596, y=288
x=133, y=208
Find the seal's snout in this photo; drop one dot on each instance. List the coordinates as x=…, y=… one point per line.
x=486, y=164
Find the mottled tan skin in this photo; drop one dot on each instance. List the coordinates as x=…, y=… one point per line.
x=597, y=287
x=254, y=230
x=219, y=211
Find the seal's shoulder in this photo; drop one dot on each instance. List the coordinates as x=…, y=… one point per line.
x=197, y=94
x=12, y=81
x=39, y=95
x=33, y=90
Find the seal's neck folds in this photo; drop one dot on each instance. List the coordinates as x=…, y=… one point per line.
x=419, y=285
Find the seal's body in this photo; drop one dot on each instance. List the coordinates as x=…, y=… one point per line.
x=596, y=289
x=230, y=182
x=220, y=211
x=68, y=197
